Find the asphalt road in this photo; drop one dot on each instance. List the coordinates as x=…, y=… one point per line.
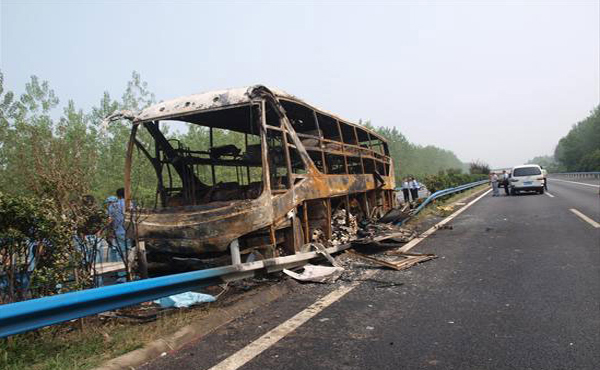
x=583, y=195
x=516, y=286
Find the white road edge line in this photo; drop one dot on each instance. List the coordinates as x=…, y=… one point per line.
x=586, y=218
x=244, y=355
x=575, y=182
x=550, y=195
x=435, y=227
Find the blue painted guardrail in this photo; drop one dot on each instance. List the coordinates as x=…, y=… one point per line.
x=36, y=313
x=33, y=314
x=441, y=193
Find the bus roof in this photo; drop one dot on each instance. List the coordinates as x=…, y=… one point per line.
x=219, y=99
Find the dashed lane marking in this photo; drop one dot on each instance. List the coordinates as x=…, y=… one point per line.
x=243, y=356
x=579, y=183
x=550, y=195
x=586, y=218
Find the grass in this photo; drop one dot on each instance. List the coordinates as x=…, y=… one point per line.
x=68, y=347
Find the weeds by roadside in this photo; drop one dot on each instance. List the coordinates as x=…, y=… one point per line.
x=68, y=347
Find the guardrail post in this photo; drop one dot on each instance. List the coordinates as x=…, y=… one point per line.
x=141, y=259
x=234, y=247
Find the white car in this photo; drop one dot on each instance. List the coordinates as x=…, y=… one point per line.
x=527, y=177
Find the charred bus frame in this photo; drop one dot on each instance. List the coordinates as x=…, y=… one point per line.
x=296, y=166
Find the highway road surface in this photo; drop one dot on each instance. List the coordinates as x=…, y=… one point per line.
x=516, y=286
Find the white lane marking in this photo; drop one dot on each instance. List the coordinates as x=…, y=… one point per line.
x=586, y=218
x=431, y=230
x=575, y=182
x=243, y=356
x=550, y=195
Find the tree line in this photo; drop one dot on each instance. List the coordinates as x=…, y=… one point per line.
x=65, y=157
x=579, y=150
x=416, y=160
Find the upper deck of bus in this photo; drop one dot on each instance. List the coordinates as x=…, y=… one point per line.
x=185, y=107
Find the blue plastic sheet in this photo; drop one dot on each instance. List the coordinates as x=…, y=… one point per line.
x=184, y=299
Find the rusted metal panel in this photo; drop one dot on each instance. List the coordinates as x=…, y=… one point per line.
x=191, y=230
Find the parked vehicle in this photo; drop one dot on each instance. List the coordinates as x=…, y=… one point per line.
x=268, y=177
x=526, y=178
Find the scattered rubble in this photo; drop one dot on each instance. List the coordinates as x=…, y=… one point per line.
x=382, y=234
x=316, y=274
x=381, y=241
x=397, y=215
x=404, y=261
x=444, y=210
x=343, y=227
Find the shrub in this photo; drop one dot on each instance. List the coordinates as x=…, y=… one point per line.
x=34, y=248
x=479, y=168
x=439, y=182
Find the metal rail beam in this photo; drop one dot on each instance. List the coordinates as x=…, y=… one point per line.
x=33, y=314
x=578, y=175
x=444, y=192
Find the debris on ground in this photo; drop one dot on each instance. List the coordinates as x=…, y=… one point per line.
x=445, y=210
x=396, y=215
x=186, y=299
x=316, y=274
x=376, y=233
x=404, y=261
x=367, y=234
x=323, y=251
x=343, y=227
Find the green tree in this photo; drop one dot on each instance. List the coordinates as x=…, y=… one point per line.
x=576, y=151
x=479, y=168
x=415, y=160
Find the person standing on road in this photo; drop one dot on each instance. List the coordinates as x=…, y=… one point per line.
x=405, y=190
x=494, y=180
x=414, y=188
x=505, y=181
x=545, y=176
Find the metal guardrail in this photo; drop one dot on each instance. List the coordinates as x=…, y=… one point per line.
x=33, y=314
x=441, y=193
x=577, y=175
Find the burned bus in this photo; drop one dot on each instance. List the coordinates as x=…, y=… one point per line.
x=267, y=177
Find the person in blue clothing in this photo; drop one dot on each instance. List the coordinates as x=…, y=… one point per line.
x=414, y=188
x=405, y=190
x=116, y=213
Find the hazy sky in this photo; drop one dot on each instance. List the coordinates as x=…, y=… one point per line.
x=492, y=80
